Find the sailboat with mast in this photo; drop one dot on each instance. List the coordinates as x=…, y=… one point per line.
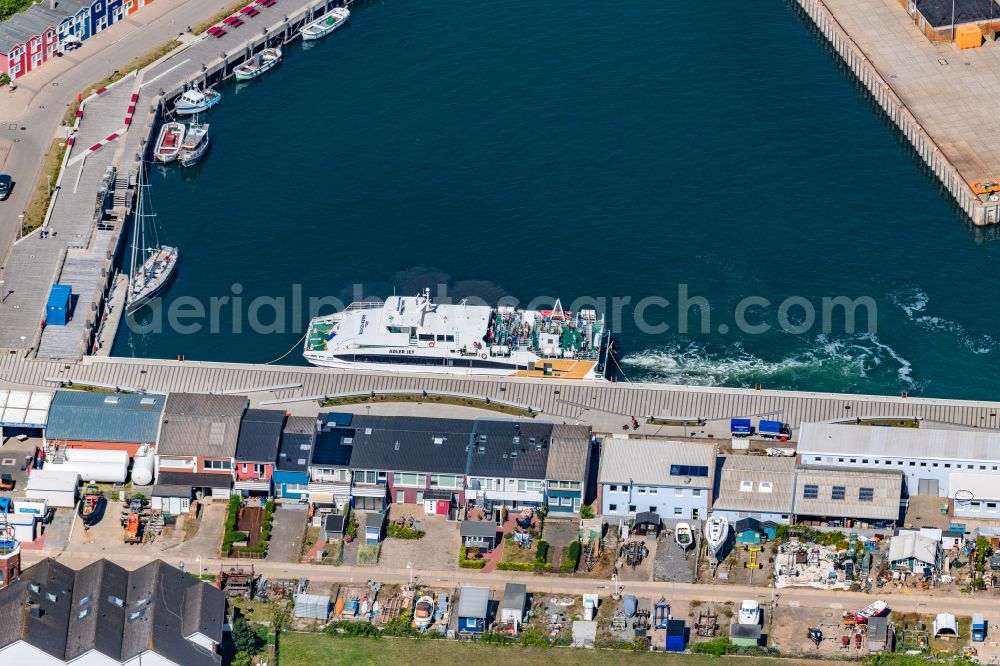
x=153, y=264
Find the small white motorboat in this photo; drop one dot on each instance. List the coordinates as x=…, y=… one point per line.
x=326, y=24
x=749, y=612
x=423, y=612
x=196, y=145
x=716, y=533
x=168, y=143
x=684, y=535
x=257, y=65
x=195, y=101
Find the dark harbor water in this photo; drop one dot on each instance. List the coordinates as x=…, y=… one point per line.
x=584, y=150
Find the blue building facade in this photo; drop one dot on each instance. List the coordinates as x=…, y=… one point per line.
x=105, y=13
x=291, y=471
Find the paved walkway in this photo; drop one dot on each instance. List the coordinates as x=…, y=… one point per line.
x=603, y=405
x=287, y=528
x=30, y=117
x=794, y=597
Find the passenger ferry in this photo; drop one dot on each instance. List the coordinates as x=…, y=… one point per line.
x=414, y=334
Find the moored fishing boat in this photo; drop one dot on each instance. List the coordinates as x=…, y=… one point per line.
x=684, y=535
x=326, y=24
x=196, y=101
x=92, y=506
x=257, y=65
x=169, y=141
x=716, y=533
x=196, y=144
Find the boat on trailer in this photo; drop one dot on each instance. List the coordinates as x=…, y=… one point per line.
x=423, y=612
x=93, y=505
x=415, y=334
x=169, y=141
x=324, y=25
x=874, y=609
x=684, y=535
x=716, y=533
x=257, y=65
x=196, y=145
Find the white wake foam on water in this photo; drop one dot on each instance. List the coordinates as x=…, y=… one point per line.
x=913, y=302
x=838, y=360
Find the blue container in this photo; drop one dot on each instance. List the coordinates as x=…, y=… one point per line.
x=740, y=427
x=57, y=309
x=770, y=427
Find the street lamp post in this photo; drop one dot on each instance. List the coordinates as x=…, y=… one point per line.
x=20, y=226
x=409, y=567
x=109, y=67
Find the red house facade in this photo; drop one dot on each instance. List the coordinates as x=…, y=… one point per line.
x=28, y=39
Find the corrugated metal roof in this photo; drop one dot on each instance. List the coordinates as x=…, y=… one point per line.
x=886, y=486
x=474, y=602
x=648, y=461
x=514, y=596
x=917, y=546
x=755, y=484
x=201, y=425
x=260, y=436
x=569, y=452
x=929, y=443
x=105, y=417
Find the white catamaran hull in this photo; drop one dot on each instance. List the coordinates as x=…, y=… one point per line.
x=437, y=367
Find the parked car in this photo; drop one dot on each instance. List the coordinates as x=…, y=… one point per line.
x=5, y=186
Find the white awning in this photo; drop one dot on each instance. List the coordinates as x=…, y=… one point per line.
x=513, y=496
x=359, y=491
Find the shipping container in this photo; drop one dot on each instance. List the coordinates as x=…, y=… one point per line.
x=968, y=36
x=57, y=309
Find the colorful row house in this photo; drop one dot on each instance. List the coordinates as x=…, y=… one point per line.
x=32, y=37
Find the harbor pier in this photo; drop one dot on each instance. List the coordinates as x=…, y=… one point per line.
x=92, y=205
x=941, y=98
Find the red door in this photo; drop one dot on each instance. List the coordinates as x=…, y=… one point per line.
x=442, y=507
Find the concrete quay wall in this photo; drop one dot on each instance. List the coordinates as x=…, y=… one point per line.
x=881, y=90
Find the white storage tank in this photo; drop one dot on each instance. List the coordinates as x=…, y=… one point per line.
x=97, y=455
x=105, y=472
x=142, y=466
